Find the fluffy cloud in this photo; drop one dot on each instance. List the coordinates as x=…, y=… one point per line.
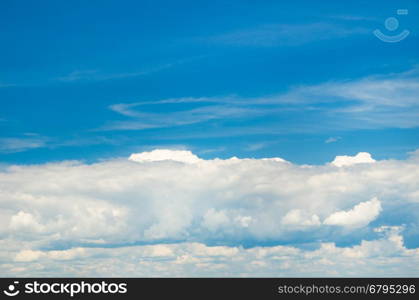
x=197, y=259
x=168, y=196
x=345, y=160
x=359, y=216
x=296, y=217
x=163, y=154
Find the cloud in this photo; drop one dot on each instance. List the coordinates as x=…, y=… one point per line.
x=381, y=101
x=359, y=216
x=12, y=145
x=273, y=35
x=256, y=146
x=184, y=156
x=25, y=222
x=345, y=160
x=384, y=256
x=95, y=75
x=79, y=75
x=332, y=139
x=208, y=109
x=177, y=200
x=30, y=141
x=374, y=102
x=355, y=18
x=299, y=218
x=28, y=255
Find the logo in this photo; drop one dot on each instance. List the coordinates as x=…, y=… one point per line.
x=11, y=289
x=392, y=24
x=66, y=288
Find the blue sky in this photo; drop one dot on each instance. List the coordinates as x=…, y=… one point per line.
x=208, y=138
x=64, y=65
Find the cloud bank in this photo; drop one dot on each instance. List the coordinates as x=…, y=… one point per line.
x=170, y=211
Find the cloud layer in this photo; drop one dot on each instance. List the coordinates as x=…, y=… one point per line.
x=197, y=259
x=373, y=102
x=172, y=203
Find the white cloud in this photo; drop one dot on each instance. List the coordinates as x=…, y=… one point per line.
x=381, y=101
x=11, y=145
x=25, y=221
x=359, y=216
x=95, y=75
x=79, y=75
x=209, y=109
x=184, y=156
x=332, y=139
x=28, y=255
x=274, y=35
x=384, y=256
x=244, y=221
x=345, y=160
x=70, y=254
x=256, y=146
x=213, y=220
x=150, y=198
x=298, y=218
x=70, y=205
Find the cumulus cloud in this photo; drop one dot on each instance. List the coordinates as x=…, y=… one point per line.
x=163, y=154
x=28, y=255
x=197, y=259
x=359, y=216
x=171, y=197
x=25, y=222
x=345, y=160
x=298, y=218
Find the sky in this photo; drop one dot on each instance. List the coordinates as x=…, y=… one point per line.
x=213, y=138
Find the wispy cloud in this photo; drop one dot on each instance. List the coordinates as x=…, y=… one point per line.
x=80, y=75
x=286, y=34
x=210, y=109
x=30, y=141
x=355, y=18
x=87, y=141
x=97, y=75
x=92, y=75
x=384, y=101
x=13, y=144
x=332, y=139
x=257, y=146
x=211, y=150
